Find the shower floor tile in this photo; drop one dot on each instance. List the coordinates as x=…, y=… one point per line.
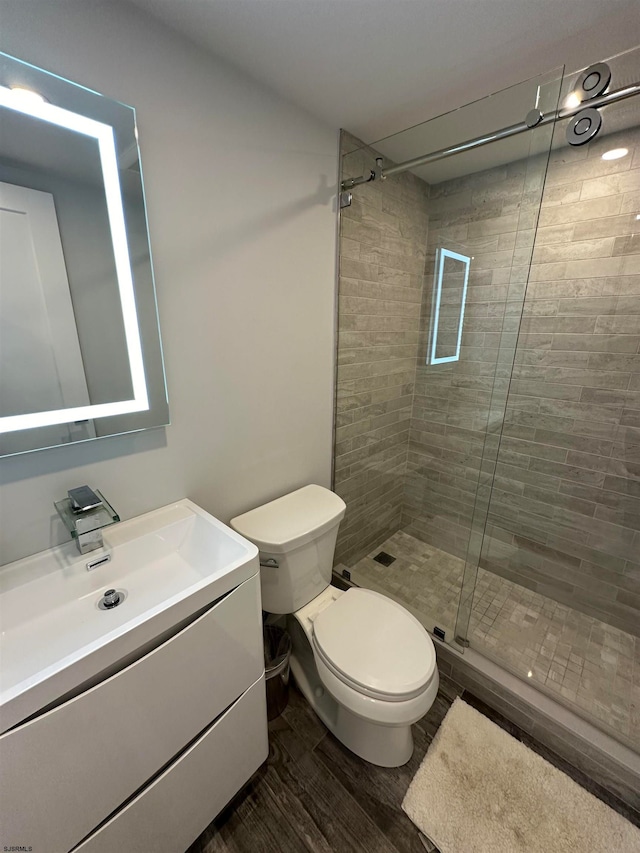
x=581, y=661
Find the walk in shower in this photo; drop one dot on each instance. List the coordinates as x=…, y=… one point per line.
x=487, y=438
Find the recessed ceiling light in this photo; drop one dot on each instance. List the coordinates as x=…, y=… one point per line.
x=615, y=154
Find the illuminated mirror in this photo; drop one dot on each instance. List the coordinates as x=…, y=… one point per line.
x=80, y=352
x=447, y=314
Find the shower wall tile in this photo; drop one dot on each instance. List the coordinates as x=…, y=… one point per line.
x=488, y=216
x=583, y=300
x=382, y=256
x=564, y=516
x=414, y=441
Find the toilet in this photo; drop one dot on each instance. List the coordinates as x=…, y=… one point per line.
x=365, y=665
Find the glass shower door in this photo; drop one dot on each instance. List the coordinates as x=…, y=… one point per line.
x=433, y=269
x=557, y=537
x=507, y=287
x=483, y=209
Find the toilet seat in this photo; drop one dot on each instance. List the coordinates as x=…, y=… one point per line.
x=374, y=646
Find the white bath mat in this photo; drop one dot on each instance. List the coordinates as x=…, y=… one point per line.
x=479, y=790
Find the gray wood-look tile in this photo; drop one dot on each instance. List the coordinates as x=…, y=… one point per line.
x=315, y=796
x=576, y=380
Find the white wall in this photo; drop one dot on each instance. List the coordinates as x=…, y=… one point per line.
x=241, y=195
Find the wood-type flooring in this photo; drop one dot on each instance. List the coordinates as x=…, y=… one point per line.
x=314, y=796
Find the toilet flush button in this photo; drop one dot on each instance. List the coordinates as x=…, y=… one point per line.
x=319, y=692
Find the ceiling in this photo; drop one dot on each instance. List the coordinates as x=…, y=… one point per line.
x=375, y=67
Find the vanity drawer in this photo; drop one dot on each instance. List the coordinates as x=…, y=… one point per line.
x=168, y=815
x=64, y=772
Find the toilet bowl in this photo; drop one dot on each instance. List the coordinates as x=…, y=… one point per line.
x=364, y=663
x=368, y=671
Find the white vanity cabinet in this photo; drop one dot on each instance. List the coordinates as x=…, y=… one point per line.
x=144, y=759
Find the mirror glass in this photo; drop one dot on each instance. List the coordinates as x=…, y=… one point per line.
x=447, y=313
x=80, y=350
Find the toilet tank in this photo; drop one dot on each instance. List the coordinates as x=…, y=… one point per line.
x=296, y=536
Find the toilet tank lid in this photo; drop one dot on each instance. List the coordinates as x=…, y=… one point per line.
x=292, y=520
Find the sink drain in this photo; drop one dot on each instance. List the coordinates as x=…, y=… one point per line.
x=112, y=598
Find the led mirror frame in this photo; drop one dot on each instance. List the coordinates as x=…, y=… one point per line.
x=442, y=255
x=103, y=134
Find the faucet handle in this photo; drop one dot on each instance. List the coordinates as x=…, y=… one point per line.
x=83, y=499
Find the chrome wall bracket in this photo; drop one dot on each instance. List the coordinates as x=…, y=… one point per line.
x=345, y=199
x=348, y=184
x=533, y=119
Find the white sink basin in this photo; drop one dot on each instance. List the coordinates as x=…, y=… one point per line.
x=170, y=563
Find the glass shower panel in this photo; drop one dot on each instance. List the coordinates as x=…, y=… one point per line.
x=382, y=240
x=557, y=597
x=507, y=288
x=433, y=265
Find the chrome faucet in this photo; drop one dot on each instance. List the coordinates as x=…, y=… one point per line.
x=83, y=499
x=85, y=513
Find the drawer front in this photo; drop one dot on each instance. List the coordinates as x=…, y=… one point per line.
x=171, y=812
x=64, y=772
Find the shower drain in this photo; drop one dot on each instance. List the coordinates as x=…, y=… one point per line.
x=384, y=558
